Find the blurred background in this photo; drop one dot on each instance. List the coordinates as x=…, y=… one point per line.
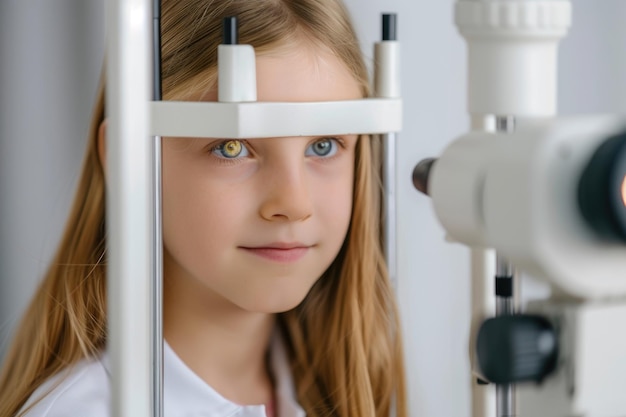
x=50, y=58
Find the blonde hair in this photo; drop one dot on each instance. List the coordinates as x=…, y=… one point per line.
x=343, y=340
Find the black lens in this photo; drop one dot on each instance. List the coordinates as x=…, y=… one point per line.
x=602, y=190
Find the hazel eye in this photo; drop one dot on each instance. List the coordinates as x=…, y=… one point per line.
x=231, y=149
x=323, y=147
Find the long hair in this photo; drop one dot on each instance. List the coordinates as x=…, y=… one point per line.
x=343, y=340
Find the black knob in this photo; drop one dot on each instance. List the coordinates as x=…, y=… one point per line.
x=230, y=31
x=390, y=24
x=421, y=174
x=518, y=348
x=602, y=190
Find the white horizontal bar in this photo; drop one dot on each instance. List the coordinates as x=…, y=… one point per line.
x=270, y=119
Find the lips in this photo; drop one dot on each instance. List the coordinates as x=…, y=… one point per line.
x=284, y=252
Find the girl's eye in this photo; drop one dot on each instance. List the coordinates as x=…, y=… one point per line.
x=230, y=149
x=322, y=147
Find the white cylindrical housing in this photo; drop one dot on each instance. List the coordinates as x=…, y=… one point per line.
x=512, y=71
x=129, y=207
x=520, y=196
x=456, y=184
x=387, y=69
x=236, y=73
x=512, y=54
x=501, y=81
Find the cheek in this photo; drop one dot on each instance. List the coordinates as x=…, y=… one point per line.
x=188, y=218
x=198, y=213
x=333, y=195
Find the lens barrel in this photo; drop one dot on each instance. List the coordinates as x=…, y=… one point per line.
x=602, y=190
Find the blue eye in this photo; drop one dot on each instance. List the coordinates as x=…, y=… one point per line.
x=323, y=147
x=230, y=149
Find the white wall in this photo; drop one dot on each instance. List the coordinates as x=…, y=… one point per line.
x=50, y=56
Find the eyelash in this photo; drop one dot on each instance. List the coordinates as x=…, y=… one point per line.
x=232, y=161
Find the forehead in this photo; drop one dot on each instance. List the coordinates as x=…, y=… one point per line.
x=304, y=72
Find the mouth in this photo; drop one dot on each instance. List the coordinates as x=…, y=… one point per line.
x=279, y=251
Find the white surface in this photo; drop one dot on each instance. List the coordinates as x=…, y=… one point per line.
x=512, y=51
x=237, y=73
x=387, y=72
x=258, y=120
x=590, y=378
x=521, y=191
x=84, y=391
x=129, y=207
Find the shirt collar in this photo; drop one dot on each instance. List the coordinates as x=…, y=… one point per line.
x=187, y=395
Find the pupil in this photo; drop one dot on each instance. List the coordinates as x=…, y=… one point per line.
x=232, y=148
x=322, y=148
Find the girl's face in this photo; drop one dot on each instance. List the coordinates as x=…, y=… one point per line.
x=254, y=223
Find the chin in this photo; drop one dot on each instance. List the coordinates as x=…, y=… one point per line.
x=278, y=302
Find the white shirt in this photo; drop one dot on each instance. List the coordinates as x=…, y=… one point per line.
x=84, y=391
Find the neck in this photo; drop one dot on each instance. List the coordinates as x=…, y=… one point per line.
x=223, y=344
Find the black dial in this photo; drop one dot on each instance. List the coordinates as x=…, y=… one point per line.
x=517, y=348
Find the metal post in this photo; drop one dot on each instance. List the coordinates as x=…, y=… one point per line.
x=129, y=208
x=387, y=85
x=505, y=297
x=390, y=221
x=157, y=248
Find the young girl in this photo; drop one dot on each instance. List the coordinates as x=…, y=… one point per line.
x=276, y=296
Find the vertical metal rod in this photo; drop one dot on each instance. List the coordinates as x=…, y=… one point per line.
x=505, y=279
x=390, y=220
x=505, y=305
x=129, y=208
x=505, y=393
x=157, y=249
x=505, y=400
x=505, y=124
x=387, y=84
x=483, y=304
x=157, y=284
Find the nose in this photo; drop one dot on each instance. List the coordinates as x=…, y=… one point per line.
x=286, y=192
